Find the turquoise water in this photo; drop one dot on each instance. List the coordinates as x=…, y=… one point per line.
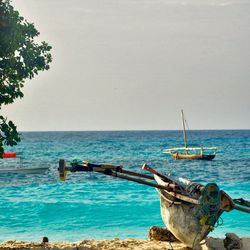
x=93, y=206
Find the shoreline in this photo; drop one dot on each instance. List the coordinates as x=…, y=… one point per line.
x=117, y=244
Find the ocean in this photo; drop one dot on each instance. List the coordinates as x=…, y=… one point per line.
x=94, y=206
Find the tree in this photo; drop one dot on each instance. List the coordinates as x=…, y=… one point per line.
x=21, y=58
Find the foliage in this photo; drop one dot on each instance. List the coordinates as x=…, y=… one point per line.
x=21, y=58
x=9, y=135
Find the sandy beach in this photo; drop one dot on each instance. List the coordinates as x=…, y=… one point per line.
x=117, y=244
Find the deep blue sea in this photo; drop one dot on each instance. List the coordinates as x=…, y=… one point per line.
x=93, y=206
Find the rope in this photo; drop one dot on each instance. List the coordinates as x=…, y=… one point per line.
x=188, y=127
x=208, y=211
x=219, y=223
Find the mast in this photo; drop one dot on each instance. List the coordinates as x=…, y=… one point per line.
x=184, y=129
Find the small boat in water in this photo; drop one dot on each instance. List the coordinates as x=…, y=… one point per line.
x=21, y=169
x=190, y=153
x=189, y=210
x=184, y=153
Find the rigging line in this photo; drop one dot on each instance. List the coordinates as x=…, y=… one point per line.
x=188, y=127
x=191, y=134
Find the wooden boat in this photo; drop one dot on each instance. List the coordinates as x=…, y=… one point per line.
x=190, y=221
x=190, y=153
x=179, y=155
x=189, y=210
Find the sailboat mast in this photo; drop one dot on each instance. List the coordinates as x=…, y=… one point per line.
x=184, y=129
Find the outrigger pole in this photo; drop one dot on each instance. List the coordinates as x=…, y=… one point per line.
x=242, y=203
x=169, y=184
x=115, y=171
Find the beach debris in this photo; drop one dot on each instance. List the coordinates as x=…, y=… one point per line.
x=232, y=241
x=161, y=234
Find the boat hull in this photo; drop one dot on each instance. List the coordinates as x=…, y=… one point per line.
x=190, y=222
x=181, y=156
x=30, y=170
x=182, y=223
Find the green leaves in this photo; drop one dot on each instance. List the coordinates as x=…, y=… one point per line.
x=8, y=134
x=21, y=58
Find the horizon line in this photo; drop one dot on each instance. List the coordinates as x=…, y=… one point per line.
x=133, y=130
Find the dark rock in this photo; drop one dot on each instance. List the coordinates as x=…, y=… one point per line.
x=161, y=234
x=232, y=241
x=45, y=240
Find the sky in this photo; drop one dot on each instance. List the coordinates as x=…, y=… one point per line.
x=134, y=64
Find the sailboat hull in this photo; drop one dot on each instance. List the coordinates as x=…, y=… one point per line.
x=181, y=156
